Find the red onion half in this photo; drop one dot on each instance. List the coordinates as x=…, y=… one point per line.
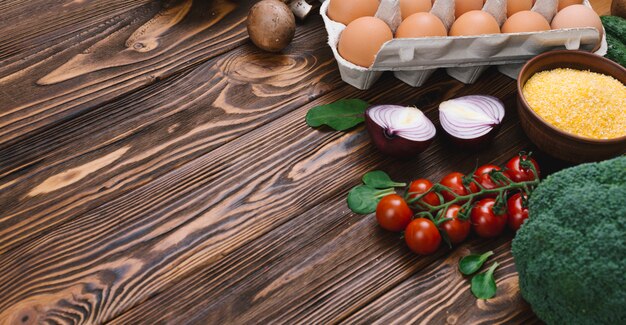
x=471, y=121
x=399, y=131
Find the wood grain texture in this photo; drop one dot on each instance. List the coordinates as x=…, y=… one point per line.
x=143, y=185
x=324, y=265
x=196, y=214
x=63, y=172
x=440, y=294
x=102, y=58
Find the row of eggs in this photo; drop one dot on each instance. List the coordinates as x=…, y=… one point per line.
x=364, y=34
x=345, y=11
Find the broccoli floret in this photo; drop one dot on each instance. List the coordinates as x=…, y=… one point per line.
x=571, y=252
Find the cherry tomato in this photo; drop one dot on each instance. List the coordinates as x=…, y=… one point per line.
x=455, y=182
x=486, y=223
x=393, y=213
x=519, y=174
x=422, y=236
x=481, y=175
x=456, y=229
x=420, y=187
x=516, y=211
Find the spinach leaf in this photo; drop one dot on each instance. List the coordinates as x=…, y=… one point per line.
x=472, y=263
x=340, y=115
x=484, y=284
x=363, y=199
x=380, y=179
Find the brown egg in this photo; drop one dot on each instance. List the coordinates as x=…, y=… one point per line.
x=362, y=39
x=475, y=22
x=525, y=21
x=463, y=6
x=421, y=24
x=513, y=6
x=578, y=16
x=567, y=3
x=409, y=7
x=345, y=11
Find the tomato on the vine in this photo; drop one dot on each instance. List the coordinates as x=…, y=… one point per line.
x=456, y=229
x=481, y=175
x=517, y=212
x=486, y=223
x=421, y=186
x=517, y=173
x=455, y=182
x=422, y=236
x=393, y=213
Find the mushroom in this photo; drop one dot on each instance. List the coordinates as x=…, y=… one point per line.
x=300, y=8
x=271, y=25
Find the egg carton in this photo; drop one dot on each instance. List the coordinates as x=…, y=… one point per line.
x=465, y=58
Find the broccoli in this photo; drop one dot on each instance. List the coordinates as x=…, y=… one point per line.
x=571, y=252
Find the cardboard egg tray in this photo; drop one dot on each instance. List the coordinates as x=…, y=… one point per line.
x=465, y=58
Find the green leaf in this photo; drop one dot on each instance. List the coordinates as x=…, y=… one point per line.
x=472, y=263
x=380, y=179
x=363, y=199
x=484, y=284
x=340, y=115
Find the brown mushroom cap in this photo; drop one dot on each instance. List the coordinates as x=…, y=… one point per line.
x=271, y=25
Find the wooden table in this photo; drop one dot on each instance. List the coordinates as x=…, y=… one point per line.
x=155, y=167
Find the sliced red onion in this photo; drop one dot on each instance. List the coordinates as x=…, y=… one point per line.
x=399, y=131
x=471, y=120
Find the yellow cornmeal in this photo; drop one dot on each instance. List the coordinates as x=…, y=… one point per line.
x=584, y=103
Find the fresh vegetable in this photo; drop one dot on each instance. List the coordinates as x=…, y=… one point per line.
x=616, y=50
x=380, y=179
x=422, y=236
x=340, y=115
x=517, y=210
x=483, y=177
x=470, y=264
x=455, y=228
x=487, y=223
x=484, y=284
x=615, y=26
x=471, y=120
x=519, y=169
x=300, y=8
x=571, y=252
x=393, y=213
x=399, y=131
x=456, y=181
x=452, y=218
x=363, y=199
x=421, y=186
x=271, y=25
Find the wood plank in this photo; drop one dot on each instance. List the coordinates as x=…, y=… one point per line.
x=60, y=173
x=31, y=27
x=135, y=246
x=323, y=265
x=440, y=294
x=92, y=62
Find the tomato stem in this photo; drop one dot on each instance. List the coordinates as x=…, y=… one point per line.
x=469, y=198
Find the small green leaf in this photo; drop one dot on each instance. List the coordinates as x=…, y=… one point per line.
x=484, y=284
x=380, y=179
x=363, y=199
x=340, y=115
x=472, y=263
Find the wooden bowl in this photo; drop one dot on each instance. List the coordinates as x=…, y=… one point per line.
x=553, y=141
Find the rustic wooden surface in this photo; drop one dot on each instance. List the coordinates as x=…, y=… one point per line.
x=155, y=167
